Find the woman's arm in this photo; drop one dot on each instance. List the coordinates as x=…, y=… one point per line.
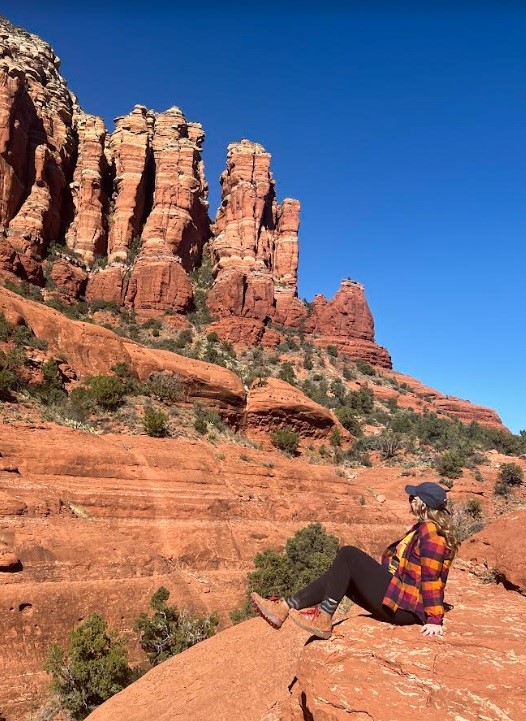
x=433, y=551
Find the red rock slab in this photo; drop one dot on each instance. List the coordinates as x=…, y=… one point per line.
x=501, y=548
x=369, y=670
x=241, y=673
x=277, y=404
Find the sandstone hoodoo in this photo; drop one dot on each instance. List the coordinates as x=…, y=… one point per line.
x=255, y=244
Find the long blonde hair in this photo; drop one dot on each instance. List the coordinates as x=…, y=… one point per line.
x=442, y=520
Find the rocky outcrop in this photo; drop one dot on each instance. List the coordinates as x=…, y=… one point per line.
x=91, y=349
x=347, y=323
x=255, y=244
x=131, y=154
x=367, y=670
x=37, y=142
x=275, y=403
x=500, y=550
x=86, y=234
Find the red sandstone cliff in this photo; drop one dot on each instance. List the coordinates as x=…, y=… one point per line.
x=136, y=199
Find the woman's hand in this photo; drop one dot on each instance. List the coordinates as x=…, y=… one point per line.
x=432, y=629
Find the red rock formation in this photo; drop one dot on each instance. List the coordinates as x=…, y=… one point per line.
x=100, y=522
x=107, y=284
x=255, y=245
x=36, y=140
x=346, y=322
x=277, y=404
x=69, y=279
x=86, y=234
x=500, y=548
x=157, y=284
x=130, y=150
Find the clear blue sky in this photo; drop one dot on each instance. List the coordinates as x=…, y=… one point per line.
x=400, y=127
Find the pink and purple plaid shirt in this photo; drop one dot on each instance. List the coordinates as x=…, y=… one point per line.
x=418, y=582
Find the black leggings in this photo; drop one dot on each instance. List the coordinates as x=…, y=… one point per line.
x=361, y=578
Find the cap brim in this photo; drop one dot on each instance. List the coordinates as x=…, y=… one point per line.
x=411, y=490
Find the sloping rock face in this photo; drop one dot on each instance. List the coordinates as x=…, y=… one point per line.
x=501, y=549
x=91, y=349
x=347, y=323
x=367, y=670
x=37, y=146
x=255, y=244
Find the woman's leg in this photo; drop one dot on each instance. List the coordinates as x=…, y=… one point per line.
x=360, y=577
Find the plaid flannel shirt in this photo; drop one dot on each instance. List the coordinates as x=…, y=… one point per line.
x=419, y=581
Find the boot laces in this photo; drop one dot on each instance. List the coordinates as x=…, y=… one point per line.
x=312, y=613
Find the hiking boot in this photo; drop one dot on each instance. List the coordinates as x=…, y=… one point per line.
x=314, y=620
x=274, y=610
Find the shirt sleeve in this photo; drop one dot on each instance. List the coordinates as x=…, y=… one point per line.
x=433, y=551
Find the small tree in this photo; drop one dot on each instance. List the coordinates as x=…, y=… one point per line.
x=107, y=391
x=450, y=464
x=286, y=439
x=155, y=422
x=287, y=373
x=92, y=668
x=307, y=555
x=511, y=474
x=170, y=631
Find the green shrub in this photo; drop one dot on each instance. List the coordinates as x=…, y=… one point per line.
x=362, y=400
x=336, y=437
x=8, y=384
x=364, y=367
x=307, y=555
x=339, y=390
x=80, y=404
x=511, y=474
x=286, y=439
x=107, y=391
x=200, y=425
x=286, y=373
x=165, y=386
x=308, y=362
x=22, y=336
x=51, y=390
x=212, y=337
x=5, y=328
x=205, y=416
x=92, y=668
x=450, y=464
x=389, y=444
x=332, y=350
x=473, y=508
x=169, y=631
x=348, y=419
x=155, y=422
x=467, y=519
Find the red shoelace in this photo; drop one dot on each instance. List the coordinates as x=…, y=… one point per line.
x=313, y=613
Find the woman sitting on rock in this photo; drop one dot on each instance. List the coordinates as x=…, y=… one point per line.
x=407, y=587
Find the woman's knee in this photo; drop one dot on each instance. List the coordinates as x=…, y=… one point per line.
x=347, y=552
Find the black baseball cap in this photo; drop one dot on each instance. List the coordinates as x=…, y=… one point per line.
x=431, y=493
